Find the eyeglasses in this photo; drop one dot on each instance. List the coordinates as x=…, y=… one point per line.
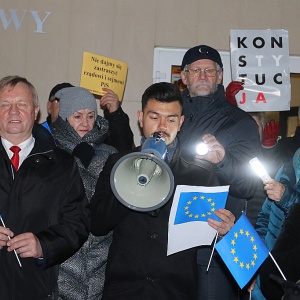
x=196, y=72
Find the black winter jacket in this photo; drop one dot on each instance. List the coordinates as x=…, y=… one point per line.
x=235, y=130
x=45, y=197
x=120, y=135
x=286, y=253
x=138, y=266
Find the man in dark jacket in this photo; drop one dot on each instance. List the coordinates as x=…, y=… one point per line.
x=138, y=266
x=232, y=138
x=42, y=200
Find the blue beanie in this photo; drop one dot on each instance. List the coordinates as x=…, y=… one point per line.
x=73, y=99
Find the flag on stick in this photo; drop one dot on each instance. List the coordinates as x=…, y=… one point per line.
x=242, y=250
x=17, y=257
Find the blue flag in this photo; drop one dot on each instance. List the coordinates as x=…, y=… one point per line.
x=199, y=206
x=191, y=207
x=242, y=250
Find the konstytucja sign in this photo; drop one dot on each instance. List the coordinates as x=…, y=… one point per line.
x=260, y=59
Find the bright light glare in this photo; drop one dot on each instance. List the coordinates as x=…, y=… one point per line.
x=259, y=169
x=202, y=149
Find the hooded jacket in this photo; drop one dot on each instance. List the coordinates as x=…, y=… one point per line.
x=273, y=214
x=45, y=197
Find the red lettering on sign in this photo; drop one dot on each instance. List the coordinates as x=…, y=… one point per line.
x=261, y=98
x=243, y=101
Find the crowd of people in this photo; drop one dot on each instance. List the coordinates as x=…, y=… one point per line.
x=65, y=235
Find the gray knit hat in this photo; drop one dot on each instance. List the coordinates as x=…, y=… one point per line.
x=73, y=99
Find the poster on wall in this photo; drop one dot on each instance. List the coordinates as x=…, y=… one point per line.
x=176, y=77
x=260, y=59
x=103, y=72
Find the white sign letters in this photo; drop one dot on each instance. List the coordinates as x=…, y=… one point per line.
x=12, y=16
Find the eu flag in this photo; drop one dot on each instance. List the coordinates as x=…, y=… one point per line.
x=242, y=250
x=199, y=206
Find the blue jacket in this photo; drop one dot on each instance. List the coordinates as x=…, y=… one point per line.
x=274, y=213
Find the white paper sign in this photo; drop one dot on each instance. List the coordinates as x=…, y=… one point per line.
x=260, y=58
x=190, y=234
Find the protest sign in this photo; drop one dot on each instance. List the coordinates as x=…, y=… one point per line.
x=103, y=72
x=260, y=58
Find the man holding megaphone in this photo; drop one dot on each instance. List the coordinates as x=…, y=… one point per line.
x=138, y=266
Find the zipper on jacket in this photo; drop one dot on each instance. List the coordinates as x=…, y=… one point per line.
x=12, y=172
x=191, y=115
x=35, y=154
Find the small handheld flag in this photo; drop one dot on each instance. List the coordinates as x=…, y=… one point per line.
x=242, y=250
x=199, y=206
x=3, y=224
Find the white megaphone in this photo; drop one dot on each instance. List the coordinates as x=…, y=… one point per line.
x=142, y=181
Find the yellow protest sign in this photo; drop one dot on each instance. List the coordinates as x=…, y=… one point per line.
x=103, y=72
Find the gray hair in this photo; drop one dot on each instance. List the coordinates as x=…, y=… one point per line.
x=12, y=81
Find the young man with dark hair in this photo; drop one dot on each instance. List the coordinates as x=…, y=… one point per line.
x=138, y=266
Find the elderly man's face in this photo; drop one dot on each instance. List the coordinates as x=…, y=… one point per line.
x=17, y=113
x=205, y=82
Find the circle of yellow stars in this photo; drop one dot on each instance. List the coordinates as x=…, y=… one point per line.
x=202, y=215
x=243, y=264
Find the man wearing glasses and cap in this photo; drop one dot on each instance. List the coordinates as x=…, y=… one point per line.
x=232, y=139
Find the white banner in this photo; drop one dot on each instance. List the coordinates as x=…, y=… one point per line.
x=260, y=58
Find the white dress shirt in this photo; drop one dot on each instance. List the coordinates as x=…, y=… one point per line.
x=25, y=146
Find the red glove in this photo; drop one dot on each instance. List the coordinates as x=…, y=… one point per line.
x=232, y=89
x=271, y=132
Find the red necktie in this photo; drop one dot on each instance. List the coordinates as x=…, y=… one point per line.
x=15, y=159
